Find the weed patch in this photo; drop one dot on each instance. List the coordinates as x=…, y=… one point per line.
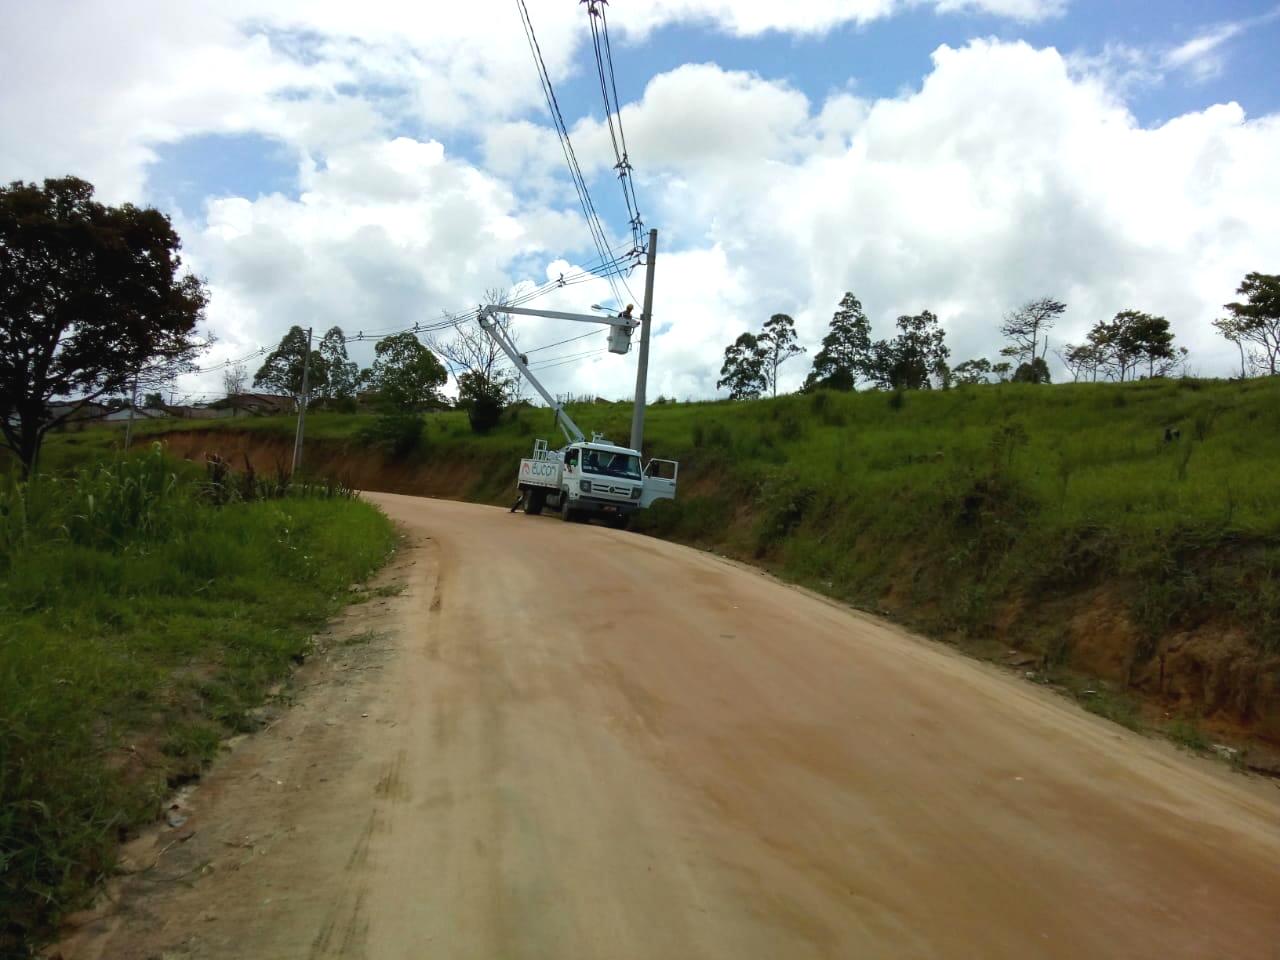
x=145, y=610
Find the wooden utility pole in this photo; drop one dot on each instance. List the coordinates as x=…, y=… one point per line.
x=302, y=405
x=642, y=367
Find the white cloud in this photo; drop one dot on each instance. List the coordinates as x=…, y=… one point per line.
x=1007, y=174
x=754, y=17
x=1004, y=177
x=1202, y=56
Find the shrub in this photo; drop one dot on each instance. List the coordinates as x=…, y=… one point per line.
x=399, y=434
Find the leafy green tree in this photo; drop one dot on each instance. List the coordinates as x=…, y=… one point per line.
x=483, y=397
x=341, y=373
x=845, y=356
x=1001, y=371
x=1027, y=330
x=973, y=371
x=779, y=343
x=1122, y=345
x=916, y=359
x=406, y=374
x=281, y=372
x=743, y=371
x=1084, y=360
x=92, y=299
x=1034, y=371
x=1256, y=320
x=153, y=401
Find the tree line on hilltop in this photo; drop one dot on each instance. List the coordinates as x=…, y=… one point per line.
x=95, y=304
x=1132, y=345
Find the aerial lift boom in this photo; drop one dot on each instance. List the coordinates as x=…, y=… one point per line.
x=619, y=342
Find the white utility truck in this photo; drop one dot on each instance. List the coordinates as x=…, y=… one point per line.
x=586, y=478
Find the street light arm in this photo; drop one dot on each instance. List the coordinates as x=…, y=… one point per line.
x=624, y=322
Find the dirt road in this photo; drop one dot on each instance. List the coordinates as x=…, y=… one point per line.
x=574, y=743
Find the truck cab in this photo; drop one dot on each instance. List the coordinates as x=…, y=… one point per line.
x=594, y=478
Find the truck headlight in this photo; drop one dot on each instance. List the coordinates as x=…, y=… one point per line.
x=635, y=493
x=584, y=486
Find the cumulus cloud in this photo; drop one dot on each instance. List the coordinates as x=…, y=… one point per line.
x=754, y=17
x=1006, y=176
x=1009, y=173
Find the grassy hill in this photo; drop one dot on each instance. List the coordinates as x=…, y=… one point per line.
x=1051, y=528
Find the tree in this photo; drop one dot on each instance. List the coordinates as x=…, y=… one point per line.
x=341, y=373
x=153, y=401
x=92, y=298
x=973, y=371
x=483, y=398
x=1256, y=320
x=406, y=374
x=282, y=370
x=1023, y=329
x=779, y=342
x=1001, y=371
x=1233, y=330
x=915, y=358
x=1036, y=371
x=1121, y=346
x=1082, y=361
x=234, y=379
x=845, y=357
x=468, y=349
x=1152, y=341
x=743, y=372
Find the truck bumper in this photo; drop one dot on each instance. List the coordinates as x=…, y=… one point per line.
x=596, y=505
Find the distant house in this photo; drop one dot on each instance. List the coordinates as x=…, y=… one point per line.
x=78, y=415
x=139, y=413
x=255, y=404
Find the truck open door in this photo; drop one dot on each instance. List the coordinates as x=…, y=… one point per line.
x=659, y=481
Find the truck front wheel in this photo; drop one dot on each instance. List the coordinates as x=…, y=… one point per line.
x=567, y=513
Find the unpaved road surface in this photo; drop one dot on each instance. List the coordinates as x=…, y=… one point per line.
x=568, y=742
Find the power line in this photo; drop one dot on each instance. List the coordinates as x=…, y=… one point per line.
x=598, y=20
x=577, y=359
x=598, y=236
x=560, y=343
x=553, y=361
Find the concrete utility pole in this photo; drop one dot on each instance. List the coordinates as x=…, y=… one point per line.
x=642, y=368
x=302, y=406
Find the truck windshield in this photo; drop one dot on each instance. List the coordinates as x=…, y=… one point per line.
x=605, y=464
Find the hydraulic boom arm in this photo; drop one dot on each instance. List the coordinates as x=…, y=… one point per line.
x=571, y=430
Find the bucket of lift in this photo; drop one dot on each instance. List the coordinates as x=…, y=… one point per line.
x=620, y=340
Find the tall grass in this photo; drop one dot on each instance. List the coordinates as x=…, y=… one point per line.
x=970, y=513
x=144, y=609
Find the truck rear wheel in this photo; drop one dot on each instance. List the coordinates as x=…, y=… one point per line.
x=534, y=501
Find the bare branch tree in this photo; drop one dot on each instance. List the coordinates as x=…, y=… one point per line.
x=234, y=379
x=469, y=350
x=1023, y=329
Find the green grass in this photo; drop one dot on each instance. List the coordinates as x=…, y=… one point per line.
x=971, y=514
x=140, y=623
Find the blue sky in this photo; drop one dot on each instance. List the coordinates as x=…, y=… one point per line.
x=376, y=164
x=880, y=59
